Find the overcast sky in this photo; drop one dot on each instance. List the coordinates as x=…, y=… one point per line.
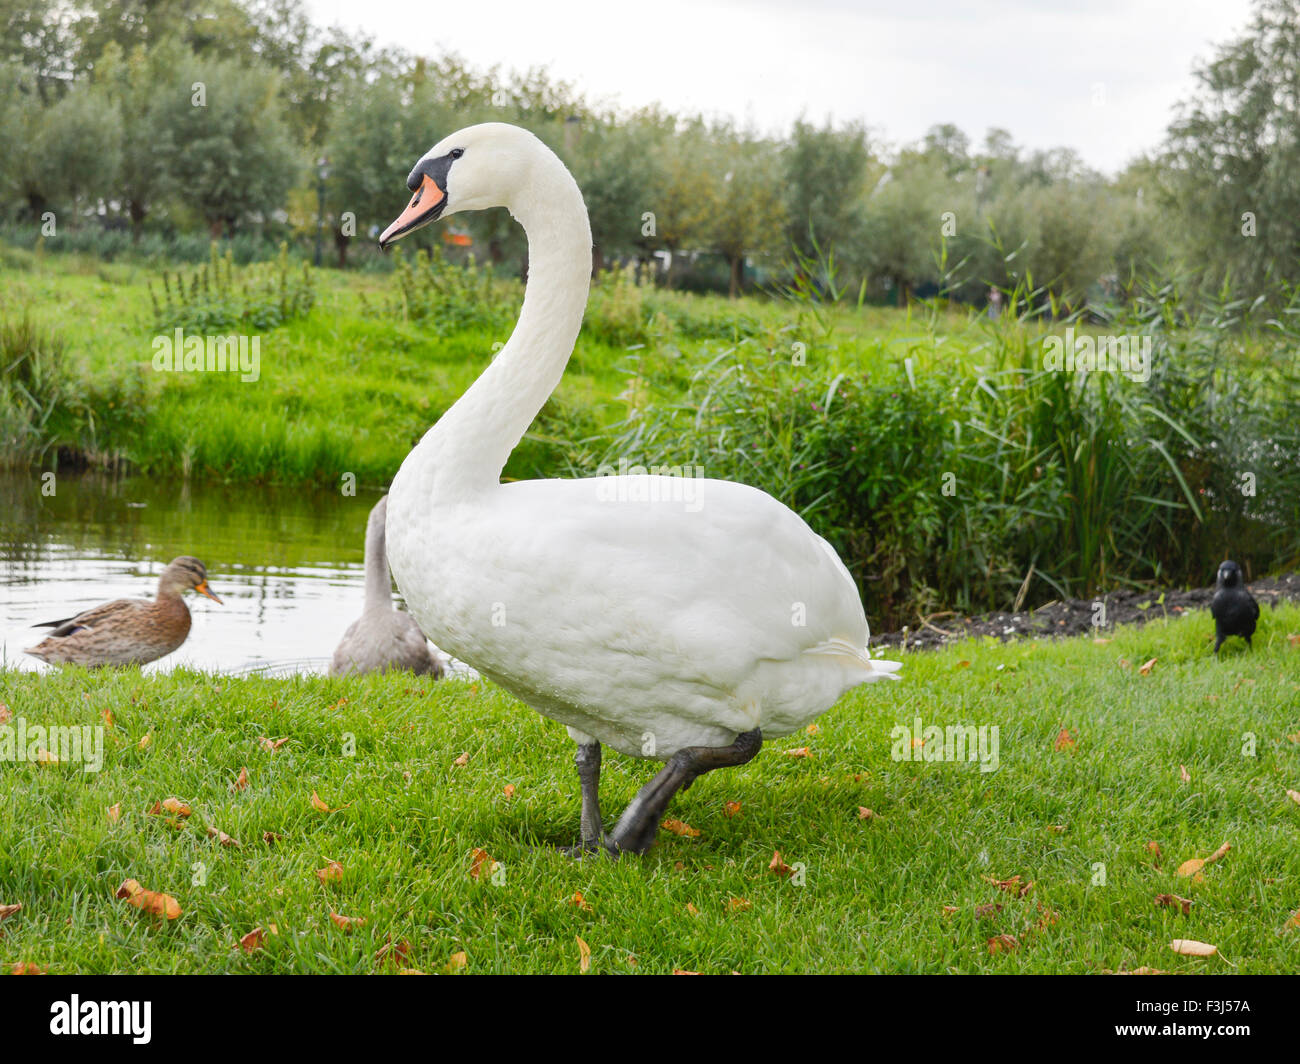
x=1100, y=76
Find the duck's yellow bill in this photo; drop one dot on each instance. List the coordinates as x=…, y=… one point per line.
x=203, y=589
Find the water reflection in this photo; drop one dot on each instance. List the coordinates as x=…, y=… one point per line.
x=287, y=562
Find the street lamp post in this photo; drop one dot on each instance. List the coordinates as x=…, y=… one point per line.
x=322, y=172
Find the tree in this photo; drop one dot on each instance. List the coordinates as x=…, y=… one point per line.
x=746, y=211
x=617, y=168
x=71, y=153
x=825, y=183
x=1235, y=149
x=139, y=86
x=237, y=159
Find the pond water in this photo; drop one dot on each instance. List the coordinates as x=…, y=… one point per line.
x=286, y=562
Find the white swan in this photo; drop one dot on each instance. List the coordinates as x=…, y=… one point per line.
x=672, y=619
x=382, y=637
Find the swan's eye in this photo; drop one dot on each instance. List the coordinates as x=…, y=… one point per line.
x=456, y=153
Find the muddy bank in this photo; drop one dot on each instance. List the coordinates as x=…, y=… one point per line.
x=1075, y=616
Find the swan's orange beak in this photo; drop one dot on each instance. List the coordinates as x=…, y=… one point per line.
x=206, y=591
x=425, y=206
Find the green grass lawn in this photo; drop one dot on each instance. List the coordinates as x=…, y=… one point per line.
x=872, y=894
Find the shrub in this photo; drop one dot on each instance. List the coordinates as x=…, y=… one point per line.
x=216, y=297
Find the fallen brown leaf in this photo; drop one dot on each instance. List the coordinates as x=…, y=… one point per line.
x=114, y=812
x=241, y=783
x=253, y=940
x=990, y=909
x=395, y=952
x=1146, y=667
x=1189, y=947
x=1219, y=853
x=1294, y=796
x=1064, y=740
x=1183, y=774
x=731, y=808
x=677, y=827
x=584, y=955
x=478, y=859
x=149, y=901
x=779, y=866
x=1012, y=885
x=462, y=760
x=173, y=806
x=865, y=814
x=1003, y=943
x=347, y=923
x=509, y=790
x=738, y=905
x=331, y=873
x=1174, y=900
x=26, y=968
x=6, y=714
x=456, y=962
x=107, y=714
x=144, y=742
x=223, y=838
x=271, y=745
x=1191, y=867
x=683, y=971
x=578, y=901
x=801, y=751
x=271, y=837
x=7, y=911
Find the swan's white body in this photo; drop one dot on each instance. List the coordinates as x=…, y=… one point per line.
x=649, y=626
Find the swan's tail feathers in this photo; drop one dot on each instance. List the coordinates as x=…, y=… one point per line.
x=849, y=654
x=883, y=670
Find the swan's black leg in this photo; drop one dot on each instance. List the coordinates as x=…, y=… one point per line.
x=637, y=827
x=587, y=759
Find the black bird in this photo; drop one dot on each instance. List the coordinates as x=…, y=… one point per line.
x=1235, y=609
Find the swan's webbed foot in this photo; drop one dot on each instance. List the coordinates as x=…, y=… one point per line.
x=639, y=824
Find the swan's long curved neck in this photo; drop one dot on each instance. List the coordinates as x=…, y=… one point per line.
x=468, y=447
x=379, y=590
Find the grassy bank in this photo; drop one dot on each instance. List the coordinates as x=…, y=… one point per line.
x=1077, y=817
x=949, y=466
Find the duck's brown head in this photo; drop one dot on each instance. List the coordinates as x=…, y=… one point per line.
x=182, y=574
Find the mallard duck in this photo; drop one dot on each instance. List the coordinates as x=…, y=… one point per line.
x=382, y=638
x=128, y=631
